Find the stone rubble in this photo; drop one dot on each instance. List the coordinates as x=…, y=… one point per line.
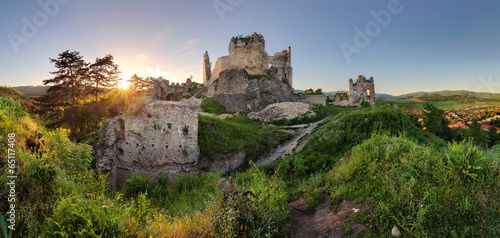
x=284, y=110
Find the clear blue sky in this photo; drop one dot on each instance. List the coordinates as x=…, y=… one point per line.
x=427, y=45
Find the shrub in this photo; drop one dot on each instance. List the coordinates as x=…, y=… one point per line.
x=464, y=160
x=136, y=185
x=262, y=214
x=211, y=106
x=88, y=215
x=365, y=104
x=68, y=156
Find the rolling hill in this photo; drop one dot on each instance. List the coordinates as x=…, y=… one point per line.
x=32, y=91
x=481, y=95
x=332, y=94
x=17, y=95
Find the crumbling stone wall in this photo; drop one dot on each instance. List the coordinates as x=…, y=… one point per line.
x=162, y=88
x=339, y=97
x=249, y=53
x=161, y=139
x=311, y=99
x=365, y=90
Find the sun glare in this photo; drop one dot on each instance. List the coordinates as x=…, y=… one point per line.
x=123, y=84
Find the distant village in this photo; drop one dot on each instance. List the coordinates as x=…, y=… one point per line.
x=487, y=116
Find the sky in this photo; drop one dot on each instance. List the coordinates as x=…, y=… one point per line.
x=405, y=45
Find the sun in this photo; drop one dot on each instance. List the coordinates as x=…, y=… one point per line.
x=123, y=84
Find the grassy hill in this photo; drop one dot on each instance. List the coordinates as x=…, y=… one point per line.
x=481, y=95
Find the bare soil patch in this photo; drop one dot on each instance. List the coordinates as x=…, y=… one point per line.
x=324, y=222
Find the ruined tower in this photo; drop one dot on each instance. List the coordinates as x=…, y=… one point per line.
x=207, y=69
x=249, y=53
x=365, y=90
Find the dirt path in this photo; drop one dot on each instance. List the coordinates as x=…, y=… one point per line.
x=294, y=145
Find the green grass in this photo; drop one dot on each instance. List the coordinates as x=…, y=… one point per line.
x=340, y=135
x=216, y=136
x=211, y=106
x=411, y=186
x=185, y=195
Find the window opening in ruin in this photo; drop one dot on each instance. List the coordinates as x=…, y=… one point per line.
x=270, y=65
x=120, y=152
x=121, y=132
x=368, y=92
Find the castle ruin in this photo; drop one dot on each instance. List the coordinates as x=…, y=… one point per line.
x=161, y=138
x=249, y=53
x=365, y=91
x=162, y=88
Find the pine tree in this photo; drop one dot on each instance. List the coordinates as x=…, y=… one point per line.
x=103, y=76
x=141, y=85
x=68, y=85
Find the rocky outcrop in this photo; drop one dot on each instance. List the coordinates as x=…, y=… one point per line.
x=285, y=110
x=161, y=138
x=237, y=92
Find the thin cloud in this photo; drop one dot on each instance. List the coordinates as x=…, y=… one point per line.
x=188, y=45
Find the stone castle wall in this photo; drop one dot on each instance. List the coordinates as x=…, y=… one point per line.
x=161, y=139
x=311, y=99
x=162, y=88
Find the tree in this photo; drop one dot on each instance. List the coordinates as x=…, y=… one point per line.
x=142, y=85
x=309, y=91
x=103, y=75
x=435, y=122
x=493, y=136
x=68, y=84
x=478, y=135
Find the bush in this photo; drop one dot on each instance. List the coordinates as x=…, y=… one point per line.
x=211, y=106
x=90, y=215
x=262, y=214
x=365, y=104
x=464, y=160
x=68, y=156
x=136, y=185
